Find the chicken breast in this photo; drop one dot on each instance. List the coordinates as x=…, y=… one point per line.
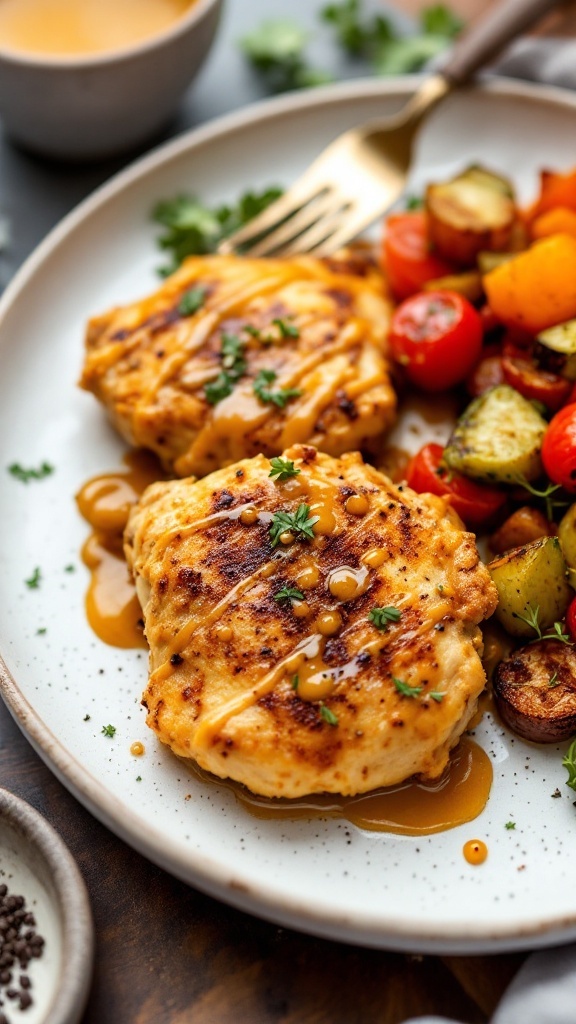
x=312, y=626
x=232, y=357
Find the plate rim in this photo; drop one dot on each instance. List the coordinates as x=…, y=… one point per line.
x=216, y=880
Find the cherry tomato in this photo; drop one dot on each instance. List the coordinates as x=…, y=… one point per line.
x=535, y=384
x=477, y=504
x=559, y=448
x=437, y=337
x=406, y=256
x=571, y=620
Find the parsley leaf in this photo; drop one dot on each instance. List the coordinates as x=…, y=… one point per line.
x=328, y=715
x=109, y=730
x=25, y=475
x=289, y=594
x=192, y=229
x=283, y=469
x=510, y=825
x=287, y=330
x=276, y=49
x=218, y=389
x=405, y=689
x=262, y=389
x=437, y=695
x=439, y=20
x=299, y=522
x=295, y=682
x=33, y=582
x=569, y=762
x=356, y=37
x=381, y=617
x=192, y=301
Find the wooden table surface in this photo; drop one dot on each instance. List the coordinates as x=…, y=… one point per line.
x=167, y=954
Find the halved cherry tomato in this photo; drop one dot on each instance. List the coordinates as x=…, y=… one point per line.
x=477, y=504
x=535, y=384
x=437, y=337
x=571, y=620
x=559, y=448
x=407, y=260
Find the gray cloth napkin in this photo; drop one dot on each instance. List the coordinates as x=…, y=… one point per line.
x=544, y=990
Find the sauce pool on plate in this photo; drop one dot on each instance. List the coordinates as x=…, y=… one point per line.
x=79, y=28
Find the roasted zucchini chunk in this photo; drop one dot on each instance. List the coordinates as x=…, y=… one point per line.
x=535, y=691
x=474, y=211
x=468, y=284
x=531, y=580
x=498, y=438
x=562, y=339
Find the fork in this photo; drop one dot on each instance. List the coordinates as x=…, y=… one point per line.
x=364, y=171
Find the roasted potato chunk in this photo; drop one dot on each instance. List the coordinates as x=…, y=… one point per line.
x=473, y=212
x=529, y=579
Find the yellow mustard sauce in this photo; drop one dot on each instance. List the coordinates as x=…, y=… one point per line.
x=112, y=608
x=77, y=28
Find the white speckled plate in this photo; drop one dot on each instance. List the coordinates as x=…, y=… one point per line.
x=321, y=876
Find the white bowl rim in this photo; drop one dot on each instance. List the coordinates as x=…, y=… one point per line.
x=60, y=62
x=72, y=897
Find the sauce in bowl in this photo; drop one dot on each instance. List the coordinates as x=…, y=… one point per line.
x=79, y=28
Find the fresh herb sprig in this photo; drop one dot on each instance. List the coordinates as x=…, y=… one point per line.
x=544, y=493
x=283, y=469
x=32, y=473
x=109, y=730
x=569, y=762
x=532, y=619
x=300, y=523
x=382, y=617
x=276, y=49
x=192, y=301
x=263, y=390
x=193, y=229
x=234, y=366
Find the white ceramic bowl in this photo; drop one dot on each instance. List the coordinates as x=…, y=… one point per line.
x=96, y=106
x=35, y=863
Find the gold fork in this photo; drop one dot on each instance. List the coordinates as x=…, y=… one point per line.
x=364, y=171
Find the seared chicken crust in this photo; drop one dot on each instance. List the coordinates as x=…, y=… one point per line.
x=296, y=695
x=315, y=328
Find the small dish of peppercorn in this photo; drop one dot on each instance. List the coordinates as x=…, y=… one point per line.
x=46, y=935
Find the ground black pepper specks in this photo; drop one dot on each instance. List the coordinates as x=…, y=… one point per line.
x=19, y=944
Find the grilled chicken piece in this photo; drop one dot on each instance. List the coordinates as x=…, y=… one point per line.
x=233, y=357
x=269, y=662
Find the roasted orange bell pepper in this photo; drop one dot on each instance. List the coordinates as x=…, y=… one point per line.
x=537, y=288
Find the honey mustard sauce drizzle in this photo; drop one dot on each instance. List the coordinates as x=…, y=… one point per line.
x=413, y=808
x=112, y=608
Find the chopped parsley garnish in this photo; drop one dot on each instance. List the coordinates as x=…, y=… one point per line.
x=276, y=49
x=381, y=617
x=299, y=522
x=109, y=730
x=86, y=718
x=328, y=715
x=262, y=389
x=192, y=301
x=532, y=620
x=437, y=695
x=510, y=825
x=569, y=762
x=295, y=682
x=41, y=631
x=138, y=778
x=193, y=229
x=405, y=689
x=283, y=469
x=414, y=202
x=287, y=330
x=70, y=568
x=218, y=389
x=289, y=594
x=34, y=581
x=234, y=365
x=553, y=681
x=25, y=475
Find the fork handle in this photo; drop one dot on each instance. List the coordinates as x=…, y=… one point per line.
x=482, y=44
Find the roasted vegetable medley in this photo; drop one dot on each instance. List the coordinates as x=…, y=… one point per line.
x=487, y=305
